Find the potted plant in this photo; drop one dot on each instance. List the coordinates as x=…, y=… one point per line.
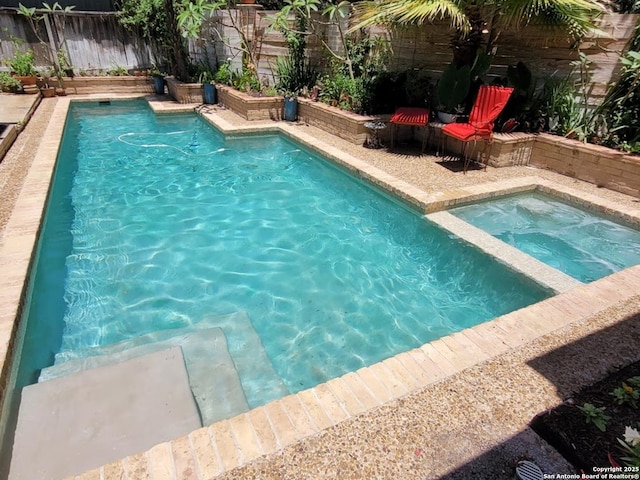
x=57, y=62
x=453, y=88
x=8, y=83
x=290, y=105
x=158, y=80
x=23, y=69
x=207, y=78
x=46, y=88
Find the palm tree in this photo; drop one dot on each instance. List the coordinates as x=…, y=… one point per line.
x=473, y=19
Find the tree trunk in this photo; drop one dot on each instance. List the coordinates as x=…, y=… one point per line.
x=176, y=41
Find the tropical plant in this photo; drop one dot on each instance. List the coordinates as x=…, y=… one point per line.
x=477, y=23
x=22, y=63
x=620, y=108
x=52, y=45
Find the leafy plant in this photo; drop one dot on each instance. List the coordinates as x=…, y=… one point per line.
x=8, y=83
x=626, y=394
x=341, y=91
x=23, y=63
x=117, y=71
x=225, y=74
x=621, y=106
x=453, y=88
x=53, y=47
x=595, y=415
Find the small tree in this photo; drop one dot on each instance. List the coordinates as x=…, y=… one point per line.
x=52, y=47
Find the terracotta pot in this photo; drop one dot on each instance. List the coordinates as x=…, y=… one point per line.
x=26, y=79
x=48, y=92
x=30, y=89
x=61, y=92
x=247, y=2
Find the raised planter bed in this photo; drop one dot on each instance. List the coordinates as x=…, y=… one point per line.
x=581, y=443
x=250, y=107
x=595, y=164
x=185, y=92
x=107, y=84
x=344, y=124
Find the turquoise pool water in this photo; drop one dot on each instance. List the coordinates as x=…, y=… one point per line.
x=582, y=244
x=159, y=222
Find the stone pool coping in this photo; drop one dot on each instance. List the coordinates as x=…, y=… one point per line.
x=212, y=450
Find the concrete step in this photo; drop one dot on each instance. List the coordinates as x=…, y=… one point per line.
x=260, y=381
x=213, y=378
x=86, y=419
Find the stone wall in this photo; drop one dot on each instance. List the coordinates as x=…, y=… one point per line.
x=592, y=163
x=250, y=107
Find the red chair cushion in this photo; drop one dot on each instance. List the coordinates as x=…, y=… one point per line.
x=466, y=131
x=411, y=116
x=490, y=101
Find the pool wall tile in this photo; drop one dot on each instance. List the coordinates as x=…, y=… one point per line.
x=298, y=415
x=222, y=437
x=207, y=459
x=315, y=409
x=374, y=384
x=330, y=403
x=356, y=385
x=183, y=460
x=161, y=462
x=264, y=432
x=137, y=466
x=244, y=435
x=401, y=373
x=282, y=426
x=393, y=384
x=348, y=400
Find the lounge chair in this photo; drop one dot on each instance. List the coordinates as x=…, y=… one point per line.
x=489, y=103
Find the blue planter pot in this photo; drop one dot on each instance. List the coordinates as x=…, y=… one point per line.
x=158, y=85
x=290, y=109
x=210, y=93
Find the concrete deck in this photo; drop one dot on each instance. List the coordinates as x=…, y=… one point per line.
x=455, y=408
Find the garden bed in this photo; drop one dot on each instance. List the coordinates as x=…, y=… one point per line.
x=581, y=443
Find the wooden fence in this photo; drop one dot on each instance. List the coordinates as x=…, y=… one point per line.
x=96, y=42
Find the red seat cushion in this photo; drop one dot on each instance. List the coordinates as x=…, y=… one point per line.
x=466, y=131
x=411, y=116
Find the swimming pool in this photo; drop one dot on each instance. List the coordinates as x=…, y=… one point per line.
x=159, y=223
x=580, y=243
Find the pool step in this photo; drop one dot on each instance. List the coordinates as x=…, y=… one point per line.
x=212, y=374
x=260, y=381
x=80, y=421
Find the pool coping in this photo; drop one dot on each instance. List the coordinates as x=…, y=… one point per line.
x=224, y=445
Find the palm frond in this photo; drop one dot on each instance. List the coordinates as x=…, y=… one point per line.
x=576, y=15
x=408, y=12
